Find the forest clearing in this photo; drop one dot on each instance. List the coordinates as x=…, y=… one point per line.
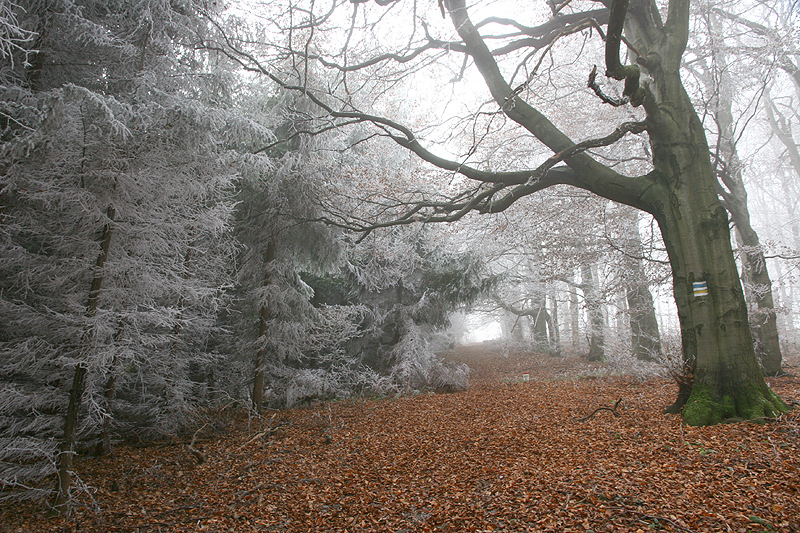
x=505, y=455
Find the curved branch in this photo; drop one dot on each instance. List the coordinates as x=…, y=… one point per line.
x=432, y=44
x=553, y=25
x=594, y=176
x=632, y=91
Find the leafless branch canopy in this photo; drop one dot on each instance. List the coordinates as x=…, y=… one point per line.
x=492, y=191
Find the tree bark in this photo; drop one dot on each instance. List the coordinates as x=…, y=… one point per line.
x=263, y=328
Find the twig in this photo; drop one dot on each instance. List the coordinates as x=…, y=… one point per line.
x=266, y=433
x=652, y=517
x=613, y=411
x=198, y=455
x=243, y=493
x=258, y=436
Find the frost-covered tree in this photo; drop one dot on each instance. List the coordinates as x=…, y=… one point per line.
x=408, y=287
x=278, y=204
x=116, y=192
x=321, y=315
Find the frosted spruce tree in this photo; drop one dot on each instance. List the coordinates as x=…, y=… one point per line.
x=116, y=190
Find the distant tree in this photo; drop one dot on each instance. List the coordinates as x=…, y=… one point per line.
x=541, y=256
x=636, y=284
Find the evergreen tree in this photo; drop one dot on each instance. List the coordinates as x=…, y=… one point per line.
x=120, y=159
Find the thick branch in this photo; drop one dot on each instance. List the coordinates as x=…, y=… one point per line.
x=632, y=91
x=584, y=172
x=677, y=27
x=593, y=176
x=544, y=176
x=553, y=25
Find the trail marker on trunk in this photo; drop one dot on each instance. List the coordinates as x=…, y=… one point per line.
x=700, y=288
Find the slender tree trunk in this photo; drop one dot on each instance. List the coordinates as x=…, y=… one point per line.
x=104, y=439
x=645, y=338
x=552, y=328
x=539, y=324
x=594, y=311
x=785, y=303
x=36, y=66
x=263, y=326
x=64, y=460
x=515, y=330
x=758, y=289
x=574, y=317
x=66, y=452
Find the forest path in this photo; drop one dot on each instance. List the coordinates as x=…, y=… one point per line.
x=505, y=455
x=492, y=363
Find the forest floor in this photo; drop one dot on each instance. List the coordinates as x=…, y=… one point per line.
x=505, y=455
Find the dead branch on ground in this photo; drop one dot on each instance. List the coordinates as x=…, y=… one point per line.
x=613, y=411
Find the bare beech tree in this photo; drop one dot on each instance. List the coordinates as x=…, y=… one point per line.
x=679, y=190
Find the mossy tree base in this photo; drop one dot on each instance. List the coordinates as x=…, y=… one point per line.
x=705, y=407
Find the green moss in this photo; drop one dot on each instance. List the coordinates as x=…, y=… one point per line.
x=761, y=402
x=701, y=409
x=704, y=408
x=728, y=405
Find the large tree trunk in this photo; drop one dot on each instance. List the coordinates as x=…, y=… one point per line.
x=263, y=324
x=726, y=381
